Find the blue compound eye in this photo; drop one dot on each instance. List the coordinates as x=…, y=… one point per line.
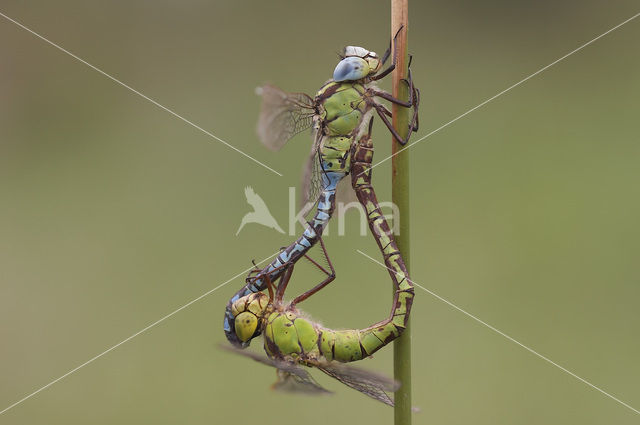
x=351, y=69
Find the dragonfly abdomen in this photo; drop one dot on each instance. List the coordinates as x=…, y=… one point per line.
x=350, y=345
x=292, y=253
x=291, y=337
x=335, y=153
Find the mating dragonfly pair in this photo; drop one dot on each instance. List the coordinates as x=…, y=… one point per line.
x=341, y=115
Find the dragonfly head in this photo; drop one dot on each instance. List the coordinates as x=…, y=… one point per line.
x=249, y=313
x=356, y=64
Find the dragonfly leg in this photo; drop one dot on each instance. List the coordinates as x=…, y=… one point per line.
x=382, y=113
x=331, y=275
x=387, y=53
x=284, y=281
x=415, y=122
x=386, y=56
x=269, y=287
x=385, y=110
x=414, y=98
x=254, y=271
x=266, y=275
x=368, y=135
x=388, y=96
x=385, y=72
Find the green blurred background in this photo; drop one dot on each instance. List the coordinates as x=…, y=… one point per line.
x=114, y=213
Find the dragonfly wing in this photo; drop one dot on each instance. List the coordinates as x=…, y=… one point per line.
x=312, y=183
x=345, y=195
x=291, y=377
x=374, y=385
x=312, y=179
x=298, y=381
x=283, y=115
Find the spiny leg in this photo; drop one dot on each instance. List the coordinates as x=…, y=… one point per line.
x=368, y=135
x=331, y=275
x=386, y=56
x=388, y=96
x=413, y=101
x=256, y=272
x=415, y=122
x=253, y=272
x=387, y=52
x=414, y=96
x=284, y=281
x=382, y=113
x=262, y=274
x=326, y=257
x=269, y=287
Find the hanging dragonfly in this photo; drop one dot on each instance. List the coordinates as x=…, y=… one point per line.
x=292, y=340
x=338, y=114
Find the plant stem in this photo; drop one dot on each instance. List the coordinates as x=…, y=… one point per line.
x=400, y=197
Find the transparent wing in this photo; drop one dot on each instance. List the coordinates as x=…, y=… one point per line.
x=291, y=377
x=298, y=381
x=282, y=115
x=312, y=185
x=345, y=195
x=369, y=383
x=312, y=176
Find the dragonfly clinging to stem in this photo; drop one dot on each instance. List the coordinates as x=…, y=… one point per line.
x=292, y=340
x=340, y=114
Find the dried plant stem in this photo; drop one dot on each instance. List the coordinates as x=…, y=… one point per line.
x=400, y=197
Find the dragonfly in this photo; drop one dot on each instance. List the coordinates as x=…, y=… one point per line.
x=339, y=114
x=292, y=339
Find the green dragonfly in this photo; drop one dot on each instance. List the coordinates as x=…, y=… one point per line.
x=340, y=114
x=292, y=340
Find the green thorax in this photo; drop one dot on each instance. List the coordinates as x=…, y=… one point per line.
x=341, y=108
x=289, y=336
